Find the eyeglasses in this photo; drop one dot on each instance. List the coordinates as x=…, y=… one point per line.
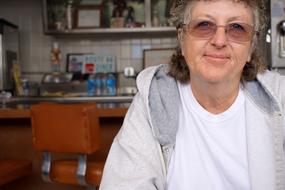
x=236, y=32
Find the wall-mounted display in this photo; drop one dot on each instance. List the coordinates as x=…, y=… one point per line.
x=90, y=63
x=88, y=16
x=91, y=2
x=74, y=63
x=153, y=57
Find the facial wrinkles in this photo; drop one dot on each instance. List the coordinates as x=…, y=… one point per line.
x=227, y=50
x=223, y=19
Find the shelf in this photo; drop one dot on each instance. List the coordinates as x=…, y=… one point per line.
x=164, y=31
x=50, y=13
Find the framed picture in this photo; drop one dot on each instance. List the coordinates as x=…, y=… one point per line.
x=75, y=63
x=91, y=2
x=88, y=16
x=153, y=57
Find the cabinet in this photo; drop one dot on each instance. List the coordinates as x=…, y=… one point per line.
x=62, y=17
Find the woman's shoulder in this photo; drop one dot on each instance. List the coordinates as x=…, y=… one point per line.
x=146, y=76
x=273, y=82
x=271, y=79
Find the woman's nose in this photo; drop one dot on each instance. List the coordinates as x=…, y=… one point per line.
x=219, y=39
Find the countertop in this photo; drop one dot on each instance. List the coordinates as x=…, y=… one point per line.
x=108, y=106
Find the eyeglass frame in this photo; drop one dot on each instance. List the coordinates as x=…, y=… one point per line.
x=226, y=28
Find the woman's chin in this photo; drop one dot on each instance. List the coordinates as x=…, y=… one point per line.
x=214, y=78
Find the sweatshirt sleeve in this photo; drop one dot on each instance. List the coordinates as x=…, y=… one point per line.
x=134, y=161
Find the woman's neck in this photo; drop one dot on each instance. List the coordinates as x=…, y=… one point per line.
x=215, y=98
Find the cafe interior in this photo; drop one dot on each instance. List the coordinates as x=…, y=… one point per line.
x=68, y=73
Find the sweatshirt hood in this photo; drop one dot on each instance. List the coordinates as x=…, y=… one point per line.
x=163, y=101
x=161, y=94
x=264, y=91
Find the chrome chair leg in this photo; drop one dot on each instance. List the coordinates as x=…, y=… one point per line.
x=81, y=169
x=46, y=166
x=91, y=188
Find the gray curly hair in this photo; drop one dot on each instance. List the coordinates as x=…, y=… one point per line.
x=178, y=66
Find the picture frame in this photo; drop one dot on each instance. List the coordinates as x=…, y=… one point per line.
x=88, y=16
x=89, y=63
x=75, y=62
x=91, y=2
x=157, y=56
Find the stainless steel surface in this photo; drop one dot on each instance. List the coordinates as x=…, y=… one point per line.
x=277, y=36
x=46, y=164
x=102, y=102
x=81, y=169
x=9, y=53
x=1, y=61
x=57, y=77
x=99, y=99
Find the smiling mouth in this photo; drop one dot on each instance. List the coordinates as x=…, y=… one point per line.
x=216, y=58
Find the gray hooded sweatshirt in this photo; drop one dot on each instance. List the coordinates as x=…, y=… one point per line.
x=140, y=153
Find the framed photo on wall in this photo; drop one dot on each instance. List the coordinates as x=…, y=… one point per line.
x=75, y=62
x=153, y=57
x=91, y=2
x=88, y=16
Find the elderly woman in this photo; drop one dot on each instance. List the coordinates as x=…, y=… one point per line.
x=212, y=119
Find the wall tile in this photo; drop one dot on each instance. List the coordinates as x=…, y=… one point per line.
x=166, y=40
x=136, y=51
x=146, y=46
x=146, y=41
x=155, y=41
x=125, y=42
x=135, y=41
x=123, y=63
x=125, y=52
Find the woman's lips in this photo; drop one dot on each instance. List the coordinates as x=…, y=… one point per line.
x=217, y=58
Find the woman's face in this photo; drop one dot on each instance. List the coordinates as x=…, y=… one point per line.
x=218, y=57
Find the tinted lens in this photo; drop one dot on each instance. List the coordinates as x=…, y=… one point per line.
x=239, y=32
x=202, y=29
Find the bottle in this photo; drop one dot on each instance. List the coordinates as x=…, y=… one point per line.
x=98, y=84
x=155, y=19
x=55, y=57
x=26, y=86
x=69, y=15
x=111, y=85
x=91, y=85
x=104, y=90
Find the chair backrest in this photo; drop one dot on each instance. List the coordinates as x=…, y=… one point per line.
x=67, y=128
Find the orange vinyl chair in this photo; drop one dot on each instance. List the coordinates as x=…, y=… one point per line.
x=12, y=169
x=68, y=128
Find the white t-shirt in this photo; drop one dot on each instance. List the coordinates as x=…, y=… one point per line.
x=210, y=151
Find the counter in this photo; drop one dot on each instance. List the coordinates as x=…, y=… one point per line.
x=22, y=113
x=109, y=106
x=16, y=134
x=99, y=99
